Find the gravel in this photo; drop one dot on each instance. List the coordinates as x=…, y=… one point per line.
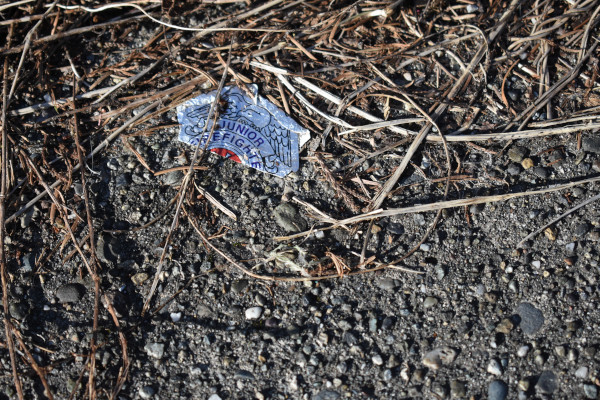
x=481, y=319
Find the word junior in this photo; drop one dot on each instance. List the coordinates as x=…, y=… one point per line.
x=241, y=136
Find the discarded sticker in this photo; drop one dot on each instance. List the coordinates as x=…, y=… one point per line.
x=249, y=130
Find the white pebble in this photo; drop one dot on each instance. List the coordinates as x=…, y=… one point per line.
x=582, y=372
x=471, y=8
x=425, y=247
x=319, y=234
x=522, y=351
x=175, y=316
x=254, y=312
x=494, y=368
x=536, y=264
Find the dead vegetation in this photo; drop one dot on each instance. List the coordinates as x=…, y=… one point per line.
x=366, y=77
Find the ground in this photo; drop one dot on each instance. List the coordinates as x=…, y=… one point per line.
x=250, y=287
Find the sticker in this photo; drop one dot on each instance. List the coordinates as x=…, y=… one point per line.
x=250, y=130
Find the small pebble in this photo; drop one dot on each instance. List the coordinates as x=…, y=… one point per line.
x=146, y=392
x=582, y=372
x=425, y=247
x=175, y=317
x=513, y=169
x=214, y=397
x=522, y=351
x=242, y=374
x=156, y=350
x=70, y=293
x=254, y=312
x=527, y=163
x=550, y=233
x=590, y=391
x=541, y=172
x=505, y=326
x=471, y=8
x=516, y=154
x=591, y=144
x=547, y=382
x=387, y=284
x=532, y=319
x=438, y=357
x=581, y=229
x=494, y=367
x=430, y=302
x=18, y=310
x=457, y=389
x=377, y=360
x=498, y=390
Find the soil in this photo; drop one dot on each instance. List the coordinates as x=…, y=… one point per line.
x=471, y=313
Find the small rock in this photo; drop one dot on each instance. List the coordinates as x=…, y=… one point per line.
x=522, y=351
x=457, y=389
x=288, y=217
x=425, y=247
x=547, y=382
x=550, y=233
x=438, y=357
x=419, y=219
x=430, y=302
x=175, y=316
x=591, y=144
x=527, y=163
x=494, y=367
x=513, y=169
x=532, y=319
x=377, y=359
x=582, y=372
x=590, y=391
x=516, y=154
x=156, y=350
x=541, y=172
x=326, y=395
x=214, y=397
x=581, y=229
x=173, y=178
x=139, y=278
x=242, y=374
x=254, y=312
x=146, y=392
x=471, y=8
x=70, y=293
x=505, y=326
x=18, y=310
x=387, y=284
x=498, y=390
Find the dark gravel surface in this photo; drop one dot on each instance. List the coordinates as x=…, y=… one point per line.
x=479, y=318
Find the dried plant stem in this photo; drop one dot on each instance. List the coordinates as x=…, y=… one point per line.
x=8, y=327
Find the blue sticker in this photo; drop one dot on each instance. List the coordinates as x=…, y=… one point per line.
x=249, y=130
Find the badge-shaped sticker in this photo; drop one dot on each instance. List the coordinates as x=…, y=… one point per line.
x=250, y=131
